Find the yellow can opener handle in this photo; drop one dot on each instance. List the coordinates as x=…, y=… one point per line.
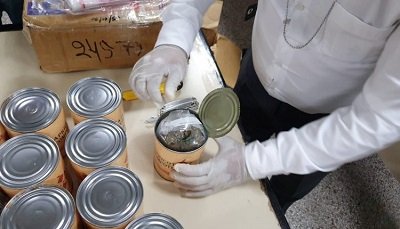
x=129, y=95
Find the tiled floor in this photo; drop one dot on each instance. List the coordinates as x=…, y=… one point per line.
x=362, y=194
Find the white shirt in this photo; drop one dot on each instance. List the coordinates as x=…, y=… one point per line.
x=350, y=69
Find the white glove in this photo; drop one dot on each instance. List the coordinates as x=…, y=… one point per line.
x=226, y=169
x=167, y=62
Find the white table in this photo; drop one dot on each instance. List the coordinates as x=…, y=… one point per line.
x=240, y=207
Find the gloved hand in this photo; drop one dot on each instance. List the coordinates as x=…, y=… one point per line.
x=226, y=169
x=167, y=62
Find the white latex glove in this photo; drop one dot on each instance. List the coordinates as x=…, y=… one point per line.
x=165, y=62
x=226, y=169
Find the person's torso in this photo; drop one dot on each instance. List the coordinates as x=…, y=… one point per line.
x=330, y=71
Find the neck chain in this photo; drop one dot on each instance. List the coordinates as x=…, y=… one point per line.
x=286, y=22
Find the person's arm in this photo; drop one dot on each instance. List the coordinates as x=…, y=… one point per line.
x=350, y=133
x=371, y=123
x=168, y=60
x=182, y=20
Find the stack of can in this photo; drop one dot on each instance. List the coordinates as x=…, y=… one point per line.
x=34, y=120
x=36, y=191
x=3, y=196
x=97, y=150
x=98, y=138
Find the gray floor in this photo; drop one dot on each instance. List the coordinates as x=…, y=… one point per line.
x=362, y=194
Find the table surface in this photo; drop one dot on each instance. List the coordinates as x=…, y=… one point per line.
x=245, y=206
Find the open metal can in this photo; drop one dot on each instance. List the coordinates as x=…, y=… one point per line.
x=155, y=220
x=29, y=160
x=40, y=207
x=181, y=134
x=180, y=138
x=95, y=97
x=96, y=143
x=110, y=197
x=34, y=110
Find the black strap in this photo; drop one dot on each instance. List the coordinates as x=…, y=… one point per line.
x=280, y=215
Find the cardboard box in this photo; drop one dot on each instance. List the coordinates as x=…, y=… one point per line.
x=65, y=43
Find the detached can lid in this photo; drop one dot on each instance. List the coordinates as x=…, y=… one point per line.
x=219, y=111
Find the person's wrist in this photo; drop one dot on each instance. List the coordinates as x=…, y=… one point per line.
x=246, y=174
x=175, y=46
x=247, y=163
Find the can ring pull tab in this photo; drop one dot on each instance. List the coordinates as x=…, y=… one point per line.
x=185, y=103
x=190, y=103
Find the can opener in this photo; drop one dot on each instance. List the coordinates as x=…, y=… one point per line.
x=190, y=103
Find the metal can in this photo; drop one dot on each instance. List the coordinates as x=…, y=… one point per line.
x=96, y=143
x=95, y=97
x=40, y=207
x=155, y=220
x=218, y=114
x=110, y=197
x=29, y=160
x=34, y=110
x=164, y=157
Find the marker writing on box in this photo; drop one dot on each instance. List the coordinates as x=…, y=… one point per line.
x=129, y=95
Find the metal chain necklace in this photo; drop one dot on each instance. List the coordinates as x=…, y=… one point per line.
x=287, y=20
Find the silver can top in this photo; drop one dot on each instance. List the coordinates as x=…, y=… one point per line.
x=27, y=160
x=43, y=207
x=109, y=196
x=30, y=109
x=95, y=143
x=155, y=221
x=94, y=97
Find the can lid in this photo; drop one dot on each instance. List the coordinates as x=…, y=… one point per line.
x=95, y=143
x=109, y=196
x=27, y=160
x=155, y=221
x=30, y=109
x=219, y=111
x=33, y=208
x=94, y=97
